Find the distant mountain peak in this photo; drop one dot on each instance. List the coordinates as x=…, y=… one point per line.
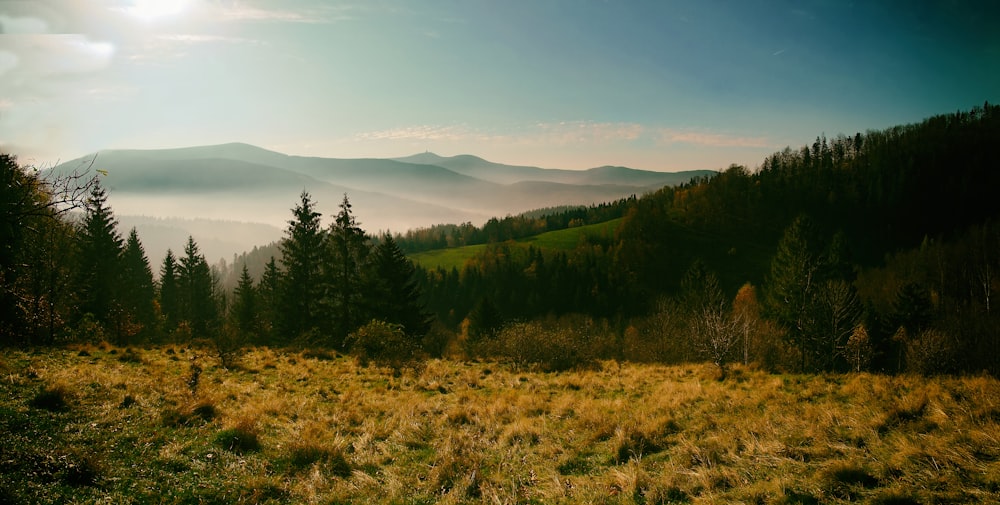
x=426, y=158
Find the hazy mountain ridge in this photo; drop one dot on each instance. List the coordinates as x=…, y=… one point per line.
x=246, y=183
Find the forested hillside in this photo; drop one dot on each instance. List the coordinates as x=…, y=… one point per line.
x=873, y=251
x=883, y=220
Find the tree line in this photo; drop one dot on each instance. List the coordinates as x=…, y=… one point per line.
x=68, y=275
x=821, y=239
x=496, y=230
x=876, y=251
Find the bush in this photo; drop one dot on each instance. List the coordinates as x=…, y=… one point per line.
x=228, y=344
x=384, y=344
x=553, y=345
x=933, y=352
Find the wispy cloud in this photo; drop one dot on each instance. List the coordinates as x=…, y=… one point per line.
x=425, y=132
x=568, y=133
x=589, y=132
x=10, y=25
x=39, y=55
x=179, y=45
x=239, y=11
x=710, y=139
x=188, y=38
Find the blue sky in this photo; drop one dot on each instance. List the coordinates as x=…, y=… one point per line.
x=660, y=85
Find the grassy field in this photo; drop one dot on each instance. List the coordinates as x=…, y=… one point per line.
x=166, y=425
x=560, y=240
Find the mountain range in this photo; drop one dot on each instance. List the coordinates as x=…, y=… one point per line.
x=231, y=197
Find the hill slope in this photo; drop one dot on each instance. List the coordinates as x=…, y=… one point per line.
x=241, y=182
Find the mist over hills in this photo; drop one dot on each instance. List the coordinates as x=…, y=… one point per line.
x=232, y=197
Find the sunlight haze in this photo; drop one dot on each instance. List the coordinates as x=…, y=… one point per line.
x=560, y=84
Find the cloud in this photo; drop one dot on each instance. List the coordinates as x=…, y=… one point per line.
x=578, y=136
x=8, y=61
x=22, y=25
x=239, y=11
x=546, y=133
x=56, y=54
x=589, y=132
x=420, y=132
x=177, y=45
x=187, y=38
x=702, y=138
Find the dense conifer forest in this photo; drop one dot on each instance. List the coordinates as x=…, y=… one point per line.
x=878, y=251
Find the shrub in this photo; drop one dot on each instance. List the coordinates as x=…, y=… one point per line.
x=552, y=345
x=933, y=352
x=384, y=344
x=228, y=344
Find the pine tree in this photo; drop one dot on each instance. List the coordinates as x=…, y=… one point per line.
x=268, y=294
x=794, y=281
x=301, y=286
x=485, y=319
x=99, y=261
x=137, y=287
x=169, y=296
x=197, y=292
x=349, y=249
x=396, y=297
x=244, y=309
x=809, y=293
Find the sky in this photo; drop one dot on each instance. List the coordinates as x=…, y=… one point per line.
x=657, y=85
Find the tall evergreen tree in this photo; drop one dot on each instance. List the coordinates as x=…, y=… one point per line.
x=396, y=298
x=138, y=291
x=244, y=309
x=169, y=295
x=349, y=249
x=809, y=293
x=99, y=261
x=301, y=286
x=268, y=295
x=793, y=283
x=197, y=292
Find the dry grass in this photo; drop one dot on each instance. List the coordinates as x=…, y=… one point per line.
x=312, y=428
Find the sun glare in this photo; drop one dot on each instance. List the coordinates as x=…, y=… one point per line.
x=155, y=9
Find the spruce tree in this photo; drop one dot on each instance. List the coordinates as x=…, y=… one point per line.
x=99, y=261
x=301, y=285
x=268, y=296
x=169, y=296
x=793, y=284
x=396, y=298
x=349, y=248
x=244, y=309
x=197, y=292
x=810, y=293
x=137, y=288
